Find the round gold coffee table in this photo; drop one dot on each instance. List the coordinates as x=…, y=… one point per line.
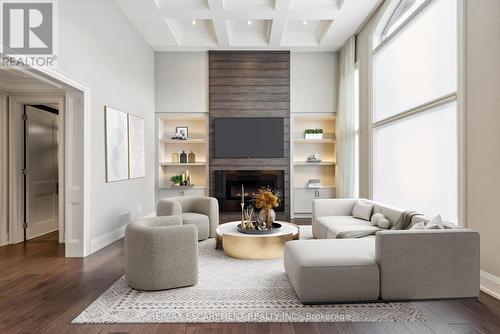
x=254, y=247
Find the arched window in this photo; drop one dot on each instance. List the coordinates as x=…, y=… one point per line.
x=400, y=14
x=415, y=120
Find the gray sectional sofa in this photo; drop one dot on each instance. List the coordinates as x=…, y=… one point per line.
x=387, y=265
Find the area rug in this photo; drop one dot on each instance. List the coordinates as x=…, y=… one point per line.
x=231, y=291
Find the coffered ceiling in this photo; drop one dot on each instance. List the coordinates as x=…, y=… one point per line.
x=184, y=25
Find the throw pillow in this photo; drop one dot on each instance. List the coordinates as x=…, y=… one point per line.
x=384, y=223
x=418, y=226
x=435, y=224
x=362, y=210
x=376, y=217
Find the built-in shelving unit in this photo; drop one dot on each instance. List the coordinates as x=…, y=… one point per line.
x=197, y=143
x=302, y=170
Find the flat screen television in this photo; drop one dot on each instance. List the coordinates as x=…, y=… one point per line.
x=249, y=138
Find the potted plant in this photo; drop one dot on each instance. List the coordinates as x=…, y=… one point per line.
x=266, y=200
x=313, y=133
x=176, y=180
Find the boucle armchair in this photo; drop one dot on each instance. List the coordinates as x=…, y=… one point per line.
x=160, y=253
x=202, y=212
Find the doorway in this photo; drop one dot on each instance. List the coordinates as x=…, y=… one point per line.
x=34, y=87
x=41, y=171
x=36, y=161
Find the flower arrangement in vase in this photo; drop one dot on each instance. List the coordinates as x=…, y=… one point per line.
x=266, y=200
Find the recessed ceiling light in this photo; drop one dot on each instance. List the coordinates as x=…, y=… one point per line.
x=249, y=22
x=304, y=22
x=193, y=22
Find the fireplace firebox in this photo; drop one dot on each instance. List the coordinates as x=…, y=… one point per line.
x=228, y=187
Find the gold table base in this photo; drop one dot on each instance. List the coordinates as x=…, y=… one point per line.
x=253, y=247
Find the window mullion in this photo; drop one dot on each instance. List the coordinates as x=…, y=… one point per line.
x=419, y=109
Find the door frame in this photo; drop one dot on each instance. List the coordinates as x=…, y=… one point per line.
x=4, y=176
x=77, y=157
x=78, y=102
x=16, y=161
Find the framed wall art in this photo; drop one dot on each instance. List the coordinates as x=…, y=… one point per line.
x=136, y=149
x=116, y=133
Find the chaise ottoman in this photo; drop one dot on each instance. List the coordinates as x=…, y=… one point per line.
x=326, y=271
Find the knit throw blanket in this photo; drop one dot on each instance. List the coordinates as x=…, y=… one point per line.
x=404, y=221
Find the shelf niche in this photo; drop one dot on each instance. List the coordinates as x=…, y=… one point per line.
x=197, y=124
x=302, y=170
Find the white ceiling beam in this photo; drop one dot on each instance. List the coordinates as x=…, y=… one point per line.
x=183, y=14
x=340, y=3
x=219, y=22
x=279, y=22
x=173, y=31
x=324, y=28
x=179, y=13
x=221, y=32
x=312, y=14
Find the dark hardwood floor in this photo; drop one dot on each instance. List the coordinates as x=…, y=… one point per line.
x=41, y=292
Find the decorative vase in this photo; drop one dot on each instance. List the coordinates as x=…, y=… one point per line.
x=268, y=216
x=183, y=157
x=175, y=158
x=191, y=157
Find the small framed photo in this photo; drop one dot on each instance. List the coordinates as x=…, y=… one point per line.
x=181, y=132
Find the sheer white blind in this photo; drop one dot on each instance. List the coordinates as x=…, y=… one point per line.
x=415, y=163
x=415, y=156
x=419, y=64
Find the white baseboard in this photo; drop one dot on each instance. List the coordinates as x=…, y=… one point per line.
x=106, y=239
x=73, y=249
x=39, y=234
x=110, y=237
x=490, y=284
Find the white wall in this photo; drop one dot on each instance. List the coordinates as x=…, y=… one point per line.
x=482, y=128
x=99, y=47
x=313, y=82
x=181, y=81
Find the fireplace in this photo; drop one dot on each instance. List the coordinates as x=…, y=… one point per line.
x=228, y=187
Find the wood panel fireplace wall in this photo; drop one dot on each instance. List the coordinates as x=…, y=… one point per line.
x=250, y=84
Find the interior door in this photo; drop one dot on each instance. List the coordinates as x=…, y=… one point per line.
x=41, y=149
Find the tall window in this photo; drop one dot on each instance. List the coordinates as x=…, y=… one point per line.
x=415, y=145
